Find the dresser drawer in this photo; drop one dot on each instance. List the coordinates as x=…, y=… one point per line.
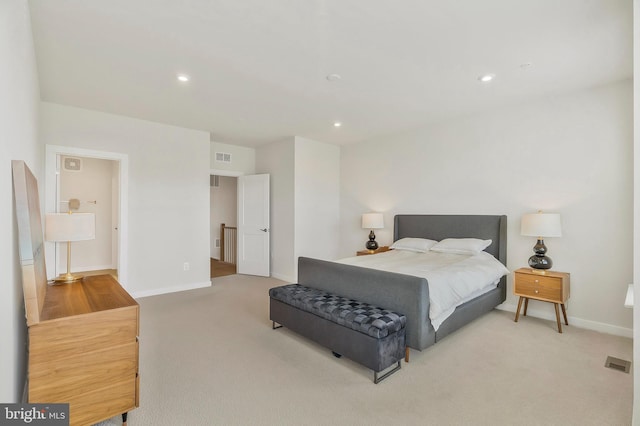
x=102, y=403
x=66, y=337
x=61, y=379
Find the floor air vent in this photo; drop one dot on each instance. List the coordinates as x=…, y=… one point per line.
x=618, y=364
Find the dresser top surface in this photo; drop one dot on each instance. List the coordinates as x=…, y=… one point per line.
x=543, y=273
x=92, y=294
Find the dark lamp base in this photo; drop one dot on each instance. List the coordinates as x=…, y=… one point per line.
x=540, y=262
x=371, y=244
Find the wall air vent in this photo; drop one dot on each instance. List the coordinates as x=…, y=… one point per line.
x=223, y=157
x=71, y=164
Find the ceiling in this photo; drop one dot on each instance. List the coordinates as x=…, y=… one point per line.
x=259, y=68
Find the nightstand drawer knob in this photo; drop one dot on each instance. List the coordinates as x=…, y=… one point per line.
x=536, y=291
x=536, y=281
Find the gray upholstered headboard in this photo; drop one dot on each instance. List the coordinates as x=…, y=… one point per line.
x=438, y=227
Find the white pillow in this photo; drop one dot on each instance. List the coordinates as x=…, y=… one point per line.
x=420, y=245
x=461, y=245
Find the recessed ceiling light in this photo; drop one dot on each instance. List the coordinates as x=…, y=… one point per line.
x=334, y=77
x=183, y=77
x=337, y=124
x=486, y=78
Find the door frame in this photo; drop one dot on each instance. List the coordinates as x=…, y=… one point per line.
x=235, y=173
x=230, y=173
x=51, y=190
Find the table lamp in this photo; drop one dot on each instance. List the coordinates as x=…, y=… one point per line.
x=60, y=227
x=372, y=221
x=540, y=225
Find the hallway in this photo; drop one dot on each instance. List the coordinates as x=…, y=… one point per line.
x=221, y=269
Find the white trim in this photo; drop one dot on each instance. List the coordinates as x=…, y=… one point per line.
x=628, y=300
x=284, y=278
x=165, y=290
x=51, y=153
x=231, y=173
x=573, y=321
x=91, y=268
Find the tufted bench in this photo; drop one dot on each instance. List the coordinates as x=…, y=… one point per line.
x=367, y=334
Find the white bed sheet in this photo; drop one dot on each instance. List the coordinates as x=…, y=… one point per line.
x=453, y=278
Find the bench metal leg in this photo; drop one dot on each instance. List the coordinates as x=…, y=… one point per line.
x=273, y=325
x=377, y=379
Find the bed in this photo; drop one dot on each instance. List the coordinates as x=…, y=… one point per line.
x=409, y=294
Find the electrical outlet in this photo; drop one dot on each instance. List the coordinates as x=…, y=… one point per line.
x=185, y=266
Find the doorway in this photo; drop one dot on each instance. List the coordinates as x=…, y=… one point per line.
x=99, y=180
x=223, y=218
x=93, y=184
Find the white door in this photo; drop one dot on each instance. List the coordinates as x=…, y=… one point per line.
x=253, y=225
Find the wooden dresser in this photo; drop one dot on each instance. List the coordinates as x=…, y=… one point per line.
x=83, y=336
x=84, y=350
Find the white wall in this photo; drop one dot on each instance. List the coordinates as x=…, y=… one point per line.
x=19, y=102
x=636, y=212
x=168, y=192
x=243, y=160
x=305, y=195
x=317, y=199
x=568, y=154
x=224, y=208
x=278, y=160
x=92, y=183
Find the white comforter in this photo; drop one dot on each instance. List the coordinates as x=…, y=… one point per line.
x=453, y=278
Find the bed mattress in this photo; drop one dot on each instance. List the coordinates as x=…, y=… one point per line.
x=453, y=278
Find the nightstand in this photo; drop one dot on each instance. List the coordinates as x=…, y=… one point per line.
x=544, y=285
x=378, y=250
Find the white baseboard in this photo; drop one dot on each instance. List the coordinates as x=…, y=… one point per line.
x=81, y=269
x=284, y=278
x=90, y=268
x=573, y=321
x=165, y=290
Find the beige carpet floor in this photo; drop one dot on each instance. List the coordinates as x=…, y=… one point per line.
x=210, y=357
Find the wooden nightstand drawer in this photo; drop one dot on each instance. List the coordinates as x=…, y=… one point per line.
x=551, y=286
x=540, y=290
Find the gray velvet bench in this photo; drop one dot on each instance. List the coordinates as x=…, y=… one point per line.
x=371, y=336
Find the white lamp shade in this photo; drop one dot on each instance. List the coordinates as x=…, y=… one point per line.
x=70, y=226
x=372, y=221
x=541, y=225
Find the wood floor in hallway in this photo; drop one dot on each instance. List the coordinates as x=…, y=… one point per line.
x=221, y=269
